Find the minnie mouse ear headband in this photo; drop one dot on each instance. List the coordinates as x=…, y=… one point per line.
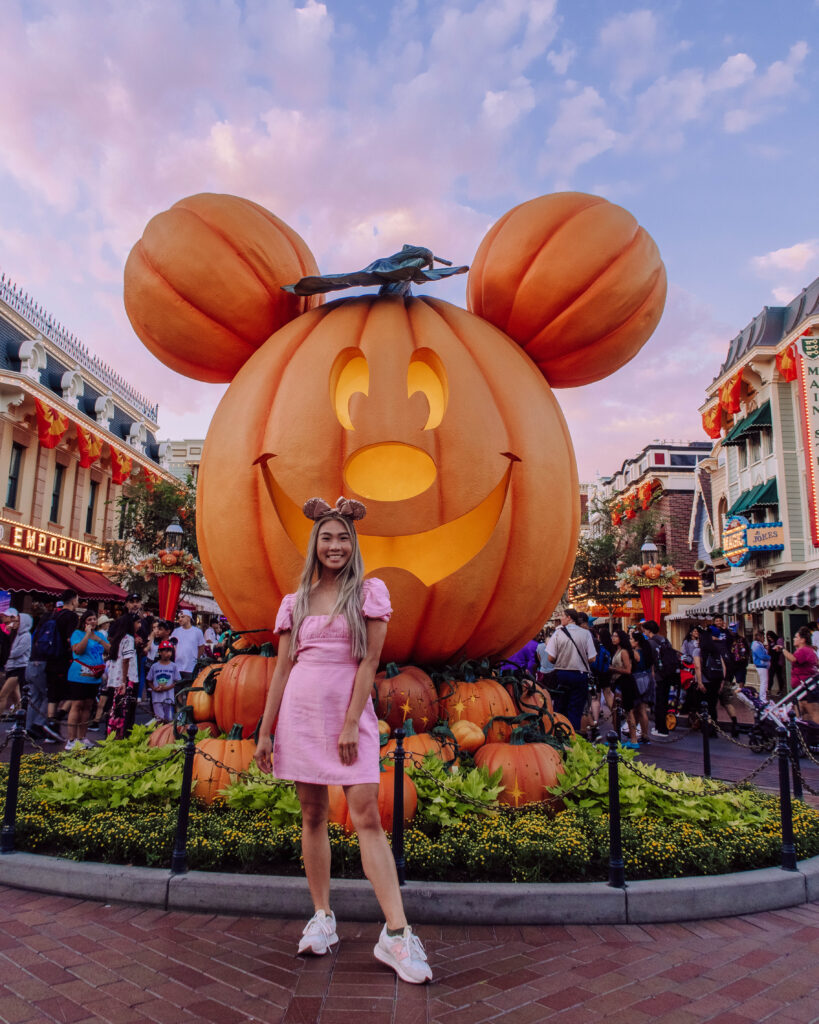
x=316, y=508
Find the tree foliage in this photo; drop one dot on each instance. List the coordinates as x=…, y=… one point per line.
x=599, y=553
x=143, y=512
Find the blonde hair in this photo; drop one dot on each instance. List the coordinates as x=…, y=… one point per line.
x=350, y=580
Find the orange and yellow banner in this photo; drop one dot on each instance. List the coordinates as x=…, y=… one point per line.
x=51, y=425
x=120, y=466
x=729, y=393
x=786, y=363
x=712, y=421
x=90, y=446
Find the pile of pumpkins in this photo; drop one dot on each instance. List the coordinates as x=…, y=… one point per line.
x=470, y=709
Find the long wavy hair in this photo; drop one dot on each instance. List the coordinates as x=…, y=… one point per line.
x=350, y=579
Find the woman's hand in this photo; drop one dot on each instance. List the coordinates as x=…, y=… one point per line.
x=264, y=748
x=348, y=743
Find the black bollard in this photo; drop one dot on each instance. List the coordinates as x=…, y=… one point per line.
x=706, y=739
x=18, y=739
x=398, y=807
x=786, y=810
x=793, y=742
x=617, y=871
x=179, y=858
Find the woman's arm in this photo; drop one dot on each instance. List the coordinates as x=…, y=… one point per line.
x=362, y=688
x=106, y=647
x=79, y=648
x=281, y=673
x=790, y=657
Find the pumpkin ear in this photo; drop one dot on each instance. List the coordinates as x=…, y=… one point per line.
x=574, y=280
x=203, y=286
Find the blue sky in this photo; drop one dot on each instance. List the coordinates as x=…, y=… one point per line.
x=369, y=125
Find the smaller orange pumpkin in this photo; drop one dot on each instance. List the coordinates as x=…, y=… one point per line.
x=168, y=558
x=653, y=572
x=383, y=728
x=468, y=735
x=406, y=694
x=170, y=732
x=528, y=770
x=418, y=745
x=242, y=691
x=232, y=751
x=339, y=812
x=558, y=726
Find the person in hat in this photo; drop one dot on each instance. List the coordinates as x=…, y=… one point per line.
x=190, y=644
x=163, y=675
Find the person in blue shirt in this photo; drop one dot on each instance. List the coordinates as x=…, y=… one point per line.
x=88, y=650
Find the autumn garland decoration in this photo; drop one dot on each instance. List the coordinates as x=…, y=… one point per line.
x=634, y=577
x=163, y=563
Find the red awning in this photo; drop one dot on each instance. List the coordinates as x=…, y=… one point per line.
x=20, y=573
x=103, y=587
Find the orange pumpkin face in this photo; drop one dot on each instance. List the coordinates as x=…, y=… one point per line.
x=653, y=572
x=442, y=427
x=241, y=692
x=528, y=769
x=203, y=284
x=574, y=280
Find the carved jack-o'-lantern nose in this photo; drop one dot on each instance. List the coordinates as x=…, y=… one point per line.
x=389, y=471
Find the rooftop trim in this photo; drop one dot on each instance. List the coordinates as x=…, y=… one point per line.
x=37, y=317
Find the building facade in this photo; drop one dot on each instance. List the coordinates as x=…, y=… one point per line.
x=755, y=519
x=72, y=433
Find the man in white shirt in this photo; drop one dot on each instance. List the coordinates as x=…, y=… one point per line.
x=190, y=645
x=572, y=650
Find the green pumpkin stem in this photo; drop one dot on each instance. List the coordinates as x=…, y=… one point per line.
x=392, y=670
x=236, y=732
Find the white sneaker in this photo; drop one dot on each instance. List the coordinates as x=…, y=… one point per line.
x=655, y=735
x=85, y=742
x=70, y=744
x=405, y=954
x=319, y=934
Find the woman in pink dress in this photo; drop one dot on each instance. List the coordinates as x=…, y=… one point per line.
x=331, y=631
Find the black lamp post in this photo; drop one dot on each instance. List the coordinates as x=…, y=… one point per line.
x=173, y=535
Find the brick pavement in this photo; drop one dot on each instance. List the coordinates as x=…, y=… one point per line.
x=78, y=962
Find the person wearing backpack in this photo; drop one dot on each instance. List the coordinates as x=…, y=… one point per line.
x=666, y=675
x=53, y=643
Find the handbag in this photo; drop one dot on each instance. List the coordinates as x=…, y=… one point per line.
x=95, y=671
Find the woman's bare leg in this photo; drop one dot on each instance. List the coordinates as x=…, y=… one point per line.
x=315, y=842
x=376, y=856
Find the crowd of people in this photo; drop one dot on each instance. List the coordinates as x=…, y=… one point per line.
x=594, y=672
x=85, y=671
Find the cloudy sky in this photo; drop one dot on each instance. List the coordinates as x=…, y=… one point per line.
x=369, y=124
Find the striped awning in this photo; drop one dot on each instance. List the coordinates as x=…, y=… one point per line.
x=758, y=420
x=802, y=592
x=731, y=601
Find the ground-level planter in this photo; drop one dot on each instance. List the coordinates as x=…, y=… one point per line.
x=653, y=901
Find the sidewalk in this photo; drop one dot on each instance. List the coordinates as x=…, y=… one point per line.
x=63, y=960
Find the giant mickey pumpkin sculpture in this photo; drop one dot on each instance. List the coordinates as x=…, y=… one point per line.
x=437, y=419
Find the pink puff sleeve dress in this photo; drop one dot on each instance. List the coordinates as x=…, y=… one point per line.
x=317, y=695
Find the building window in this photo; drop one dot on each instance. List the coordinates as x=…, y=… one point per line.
x=15, y=468
x=754, y=448
x=54, y=514
x=659, y=458
x=678, y=459
x=92, y=506
x=742, y=452
x=767, y=442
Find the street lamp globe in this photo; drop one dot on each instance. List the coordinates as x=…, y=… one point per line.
x=649, y=551
x=173, y=535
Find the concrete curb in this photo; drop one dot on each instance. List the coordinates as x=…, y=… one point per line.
x=660, y=900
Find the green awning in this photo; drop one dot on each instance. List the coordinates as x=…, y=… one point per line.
x=746, y=500
x=768, y=497
x=762, y=496
x=752, y=424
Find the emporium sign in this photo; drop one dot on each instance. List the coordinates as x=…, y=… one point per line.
x=740, y=539
x=28, y=540
x=808, y=359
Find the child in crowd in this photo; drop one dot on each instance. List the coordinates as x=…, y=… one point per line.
x=162, y=676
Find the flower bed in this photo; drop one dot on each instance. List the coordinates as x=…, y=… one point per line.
x=697, y=832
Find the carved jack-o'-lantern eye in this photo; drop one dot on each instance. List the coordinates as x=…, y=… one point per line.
x=426, y=374
x=350, y=374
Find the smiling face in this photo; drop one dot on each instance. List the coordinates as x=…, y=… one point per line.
x=334, y=545
x=448, y=434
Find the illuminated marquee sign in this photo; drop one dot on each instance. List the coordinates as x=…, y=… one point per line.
x=740, y=539
x=808, y=359
x=28, y=540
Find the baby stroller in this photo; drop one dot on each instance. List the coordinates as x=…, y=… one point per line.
x=770, y=715
x=681, y=696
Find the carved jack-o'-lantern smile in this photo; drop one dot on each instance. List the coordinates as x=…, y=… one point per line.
x=430, y=555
